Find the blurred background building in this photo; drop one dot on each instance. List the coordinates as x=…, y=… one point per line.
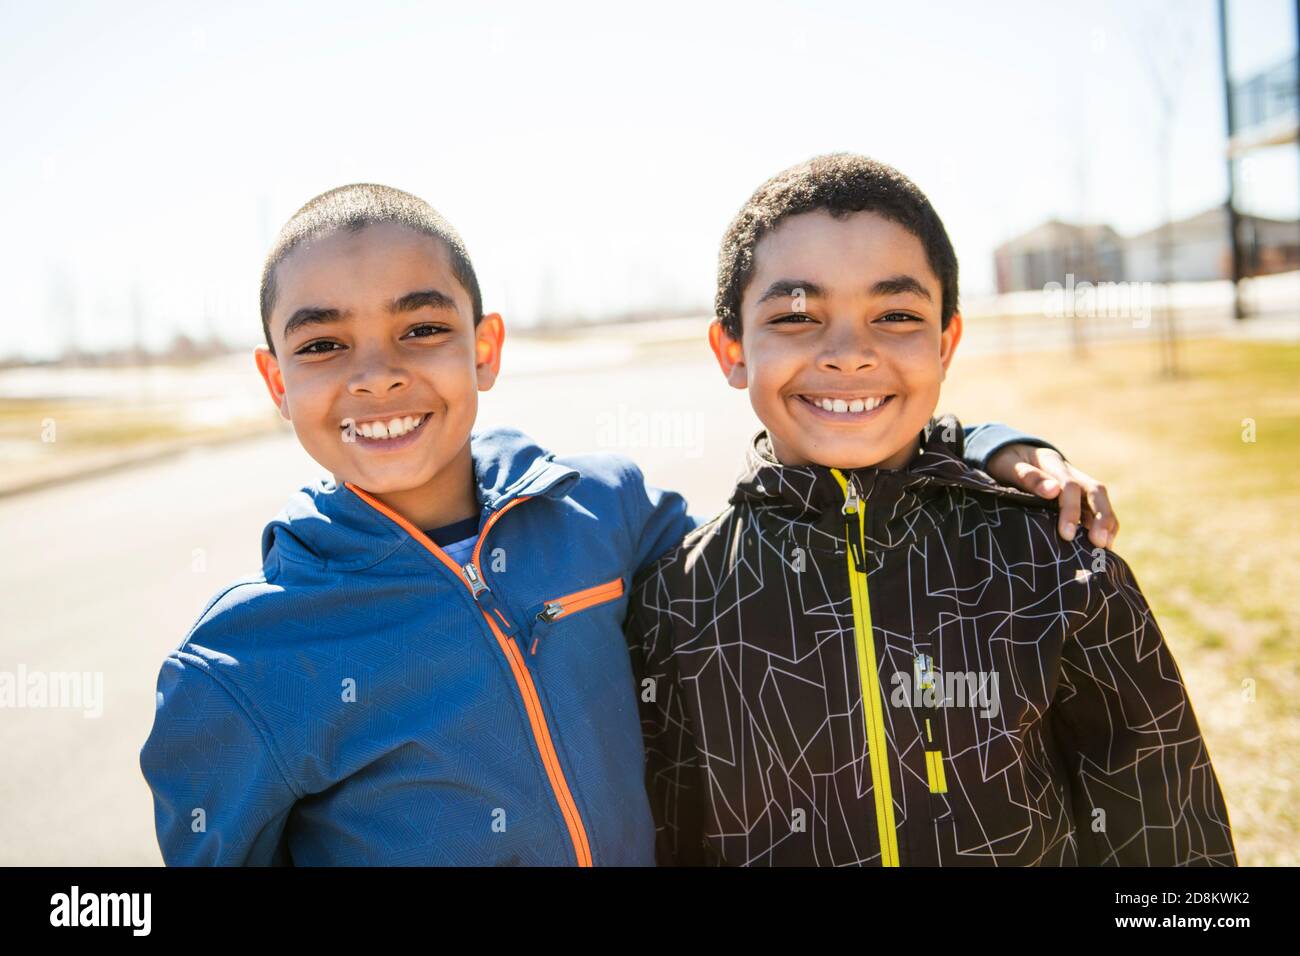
x=1200, y=250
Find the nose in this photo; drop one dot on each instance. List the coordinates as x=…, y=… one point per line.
x=848, y=349
x=377, y=372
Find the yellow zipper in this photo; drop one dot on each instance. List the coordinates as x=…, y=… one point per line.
x=868, y=680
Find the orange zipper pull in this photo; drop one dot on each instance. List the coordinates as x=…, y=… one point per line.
x=484, y=597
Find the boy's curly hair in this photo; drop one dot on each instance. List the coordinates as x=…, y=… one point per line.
x=352, y=208
x=840, y=183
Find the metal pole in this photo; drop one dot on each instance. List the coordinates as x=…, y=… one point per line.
x=1234, y=230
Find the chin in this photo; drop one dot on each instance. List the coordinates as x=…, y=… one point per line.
x=844, y=453
x=379, y=479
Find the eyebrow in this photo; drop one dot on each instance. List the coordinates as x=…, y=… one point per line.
x=315, y=315
x=782, y=288
x=900, y=284
x=312, y=316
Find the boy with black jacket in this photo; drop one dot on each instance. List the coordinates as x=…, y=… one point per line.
x=875, y=654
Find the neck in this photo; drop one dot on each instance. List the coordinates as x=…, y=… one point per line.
x=903, y=457
x=899, y=459
x=447, y=497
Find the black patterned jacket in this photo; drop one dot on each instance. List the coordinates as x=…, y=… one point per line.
x=911, y=668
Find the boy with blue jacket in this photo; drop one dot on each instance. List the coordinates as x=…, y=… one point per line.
x=430, y=666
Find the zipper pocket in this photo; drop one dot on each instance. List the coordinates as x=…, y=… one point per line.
x=560, y=607
x=925, y=679
x=581, y=600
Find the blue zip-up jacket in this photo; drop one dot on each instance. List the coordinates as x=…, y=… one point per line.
x=365, y=700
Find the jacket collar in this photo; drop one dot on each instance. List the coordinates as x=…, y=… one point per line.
x=508, y=464
x=327, y=523
x=893, y=497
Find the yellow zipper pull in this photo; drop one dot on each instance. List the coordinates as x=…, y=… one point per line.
x=853, y=508
x=851, y=500
x=924, y=671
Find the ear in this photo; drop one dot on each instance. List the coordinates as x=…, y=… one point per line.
x=488, y=338
x=948, y=340
x=730, y=355
x=269, y=367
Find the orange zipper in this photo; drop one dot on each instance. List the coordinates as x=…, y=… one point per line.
x=581, y=600
x=523, y=679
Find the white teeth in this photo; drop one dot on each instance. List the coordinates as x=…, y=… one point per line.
x=394, y=428
x=852, y=406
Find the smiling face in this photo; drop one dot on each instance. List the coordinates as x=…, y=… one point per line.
x=841, y=349
x=378, y=363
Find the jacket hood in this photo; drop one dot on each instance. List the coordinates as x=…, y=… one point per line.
x=894, y=497
x=327, y=523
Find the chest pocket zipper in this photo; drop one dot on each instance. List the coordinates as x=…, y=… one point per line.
x=560, y=607
x=926, y=680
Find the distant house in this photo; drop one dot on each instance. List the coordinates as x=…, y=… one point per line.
x=1049, y=252
x=1198, y=251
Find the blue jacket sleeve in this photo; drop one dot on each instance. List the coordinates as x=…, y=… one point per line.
x=221, y=797
x=981, y=442
x=659, y=518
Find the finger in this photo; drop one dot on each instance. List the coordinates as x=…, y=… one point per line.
x=1102, y=523
x=1050, y=461
x=1033, y=479
x=1071, y=495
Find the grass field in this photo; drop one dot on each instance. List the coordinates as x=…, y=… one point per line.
x=42, y=440
x=1208, y=523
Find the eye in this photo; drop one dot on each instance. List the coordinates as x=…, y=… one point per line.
x=311, y=347
x=426, y=330
x=793, y=318
x=893, y=317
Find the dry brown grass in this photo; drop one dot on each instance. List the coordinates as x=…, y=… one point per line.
x=1209, y=525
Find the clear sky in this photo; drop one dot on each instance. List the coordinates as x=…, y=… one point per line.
x=591, y=155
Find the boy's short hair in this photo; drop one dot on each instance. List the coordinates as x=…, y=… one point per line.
x=352, y=208
x=840, y=183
